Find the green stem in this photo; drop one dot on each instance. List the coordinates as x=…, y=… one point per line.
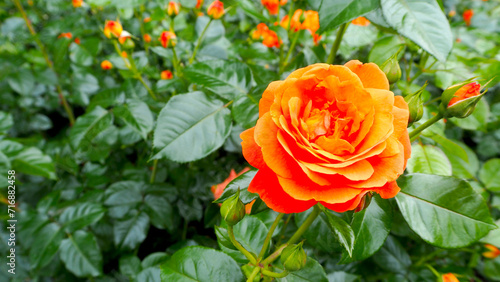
x=153, y=174
x=198, y=43
x=336, y=43
x=290, y=50
x=309, y=220
x=176, y=62
x=414, y=134
x=238, y=246
x=64, y=102
x=270, y=234
x=253, y=274
x=151, y=93
x=274, y=274
x=282, y=234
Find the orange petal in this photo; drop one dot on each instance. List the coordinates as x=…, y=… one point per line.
x=265, y=183
x=361, y=170
x=347, y=206
x=251, y=151
x=370, y=74
x=268, y=97
x=389, y=190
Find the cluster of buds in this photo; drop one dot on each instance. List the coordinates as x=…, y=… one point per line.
x=293, y=257
x=269, y=38
x=273, y=5
x=303, y=20
x=460, y=100
x=216, y=10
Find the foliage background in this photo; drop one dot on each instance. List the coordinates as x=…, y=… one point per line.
x=87, y=209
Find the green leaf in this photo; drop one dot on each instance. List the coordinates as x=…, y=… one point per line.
x=312, y=272
x=188, y=3
x=314, y=235
x=137, y=115
x=341, y=230
x=45, y=245
x=246, y=110
x=160, y=211
x=428, y=159
x=423, y=22
x=129, y=233
x=81, y=254
x=190, y=127
x=384, y=48
x=6, y=122
x=371, y=227
x=130, y=265
x=81, y=215
x=461, y=168
x=224, y=78
x=450, y=147
x=88, y=126
x=80, y=55
x=489, y=175
x=151, y=274
x=252, y=11
x=444, y=211
x=241, y=182
x=22, y=81
x=154, y=259
x=334, y=13
x=106, y=98
x=122, y=196
x=200, y=264
x=393, y=257
x=477, y=120
x=35, y=162
x=215, y=31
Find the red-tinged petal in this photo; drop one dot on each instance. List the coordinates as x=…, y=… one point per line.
x=389, y=190
x=347, y=206
x=251, y=151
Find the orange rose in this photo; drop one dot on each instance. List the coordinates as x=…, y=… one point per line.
x=219, y=188
x=468, y=16
x=273, y=5
x=269, y=37
x=492, y=252
x=216, y=10
x=328, y=134
x=449, y=277
x=106, y=65
x=361, y=21
x=112, y=28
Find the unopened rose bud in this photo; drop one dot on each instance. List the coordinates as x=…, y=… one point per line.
x=126, y=41
x=233, y=209
x=365, y=202
x=113, y=28
x=415, y=105
x=492, y=251
x=293, y=257
x=391, y=69
x=106, y=65
x=460, y=100
x=449, y=277
x=173, y=8
x=216, y=10
x=168, y=39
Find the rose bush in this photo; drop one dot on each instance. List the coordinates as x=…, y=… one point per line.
x=328, y=134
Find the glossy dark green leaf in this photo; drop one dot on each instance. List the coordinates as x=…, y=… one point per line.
x=334, y=13
x=444, y=211
x=461, y=168
x=88, y=126
x=200, y=264
x=130, y=265
x=249, y=7
x=122, y=196
x=428, y=159
x=341, y=230
x=22, y=81
x=227, y=79
x=190, y=127
x=160, y=211
x=489, y=175
x=384, y=48
x=35, y=162
x=150, y=274
x=423, y=22
x=246, y=110
x=393, y=257
x=129, y=233
x=137, y=115
x=45, y=245
x=241, y=182
x=312, y=272
x=154, y=259
x=81, y=215
x=81, y=254
x=106, y=98
x=371, y=227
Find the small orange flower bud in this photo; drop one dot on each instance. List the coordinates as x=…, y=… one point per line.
x=218, y=189
x=361, y=21
x=124, y=54
x=147, y=38
x=198, y=4
x=468, y=16
x=492, y=253
x=77, y=41
x=166, y=74
x=65, y=35
x=466, y=91
x=168, y=39
x=146, y=20
x=124, y=36
x=112, y=28
x=269, y=37
x=173, y=8
x=452, y=13
x=77, y=3
x=216, y=9
x=449, y=277
x=106, y=65
x=273, y=5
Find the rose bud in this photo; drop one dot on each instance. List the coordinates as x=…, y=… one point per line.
x=216, y=10
x=124, y=54
x=460, y=100
x=449, y=277
x=113, y=28
x=218, y=189
x=147, y=38
x=233, y=209
x=391, y=69
x=365, y=202
x=173, y=8
x=65, y=35
x=166, y=74
x=492, y=253
x=198, y=4
x=125, y=40
x=106, y=65
x=415, y=105
x=77, y=3
x=168, y=39
x=468, y=16
x=293, y=257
